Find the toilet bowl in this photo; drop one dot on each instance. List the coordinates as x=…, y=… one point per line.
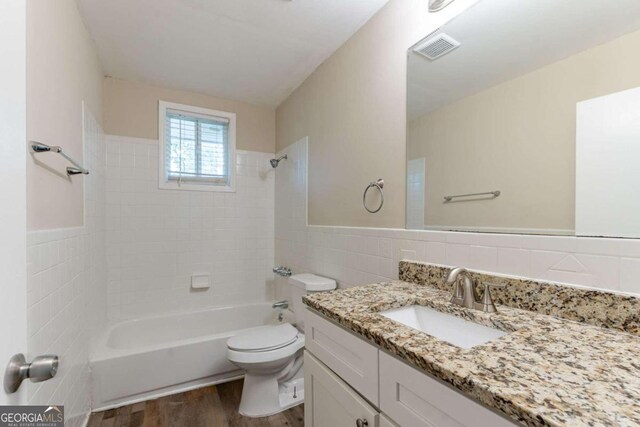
x=271, y=356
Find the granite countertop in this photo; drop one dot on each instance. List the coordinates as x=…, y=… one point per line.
x=547, y=371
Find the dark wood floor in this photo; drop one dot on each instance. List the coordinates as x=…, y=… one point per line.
x=215, y=406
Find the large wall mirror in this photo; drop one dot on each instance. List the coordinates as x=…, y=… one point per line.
x=524, y=117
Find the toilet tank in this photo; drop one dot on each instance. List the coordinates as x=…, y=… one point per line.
x=301, y=284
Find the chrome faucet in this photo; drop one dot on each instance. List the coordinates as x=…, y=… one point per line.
x=282, y=271
x=464, y=295
x=281, y=305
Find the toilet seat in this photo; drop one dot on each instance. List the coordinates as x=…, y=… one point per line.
x=264, y=356
x=263, y=338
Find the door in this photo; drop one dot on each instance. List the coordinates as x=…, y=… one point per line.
x=330, y=402
x=13, y=288
x=607, y=173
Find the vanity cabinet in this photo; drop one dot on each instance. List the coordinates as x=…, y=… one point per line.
x=413, y=398
x=329, y=401
x=347, y=379
x=352, y=358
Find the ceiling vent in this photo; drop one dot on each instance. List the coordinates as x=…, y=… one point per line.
x=437, y=46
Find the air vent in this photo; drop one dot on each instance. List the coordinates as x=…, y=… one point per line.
x=437, y=46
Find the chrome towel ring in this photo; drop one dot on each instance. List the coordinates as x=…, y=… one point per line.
x=379, y=184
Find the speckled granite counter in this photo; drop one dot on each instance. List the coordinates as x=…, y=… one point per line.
x=547, y=371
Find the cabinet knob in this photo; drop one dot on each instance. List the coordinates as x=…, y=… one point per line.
x=361, y=422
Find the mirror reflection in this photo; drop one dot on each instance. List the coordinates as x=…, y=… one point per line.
x=524, y=117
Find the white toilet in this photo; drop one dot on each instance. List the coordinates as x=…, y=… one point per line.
x=271, y=355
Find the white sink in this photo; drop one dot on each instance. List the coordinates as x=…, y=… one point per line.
x=452, y=329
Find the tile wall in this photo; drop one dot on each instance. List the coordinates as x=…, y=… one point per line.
x=156, y=239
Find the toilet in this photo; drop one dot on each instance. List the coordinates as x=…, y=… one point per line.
x=271, y=355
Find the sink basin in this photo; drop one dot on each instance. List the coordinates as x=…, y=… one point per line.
x=452, y=329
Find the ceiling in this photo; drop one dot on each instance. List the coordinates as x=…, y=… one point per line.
x=256, y=51
x=503, y=39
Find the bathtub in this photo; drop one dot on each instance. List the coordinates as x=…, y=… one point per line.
x=139, y=359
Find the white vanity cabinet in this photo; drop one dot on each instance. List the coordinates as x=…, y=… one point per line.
x=351, y=357
x=349, y=382
x=330, y=402
x=412, y=398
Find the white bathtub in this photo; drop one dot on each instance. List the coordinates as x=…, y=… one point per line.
x=144, y=358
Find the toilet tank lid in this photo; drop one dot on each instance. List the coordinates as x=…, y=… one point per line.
x=312, y=283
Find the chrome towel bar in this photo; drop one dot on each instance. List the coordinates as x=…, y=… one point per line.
x=487, y=193
x=39, y=147
x=379, y=184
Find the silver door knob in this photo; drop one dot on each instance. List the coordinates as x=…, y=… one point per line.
x=41, y=369
x=361, y=422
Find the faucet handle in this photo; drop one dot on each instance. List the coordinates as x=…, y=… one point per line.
x=487, y=304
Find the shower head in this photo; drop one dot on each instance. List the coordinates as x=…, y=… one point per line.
x=274, y=162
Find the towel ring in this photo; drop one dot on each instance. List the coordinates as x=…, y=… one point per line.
x=379, y=184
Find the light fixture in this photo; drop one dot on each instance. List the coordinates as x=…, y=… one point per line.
x=436, y=5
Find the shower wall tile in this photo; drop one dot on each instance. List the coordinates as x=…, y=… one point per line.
x=156, y=239
x=67, y=291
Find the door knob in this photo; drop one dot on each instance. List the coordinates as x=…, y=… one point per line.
x=361, y=422
x=41, y=369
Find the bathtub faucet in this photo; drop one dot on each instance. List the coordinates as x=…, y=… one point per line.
x=282, y=271
x=281, y=304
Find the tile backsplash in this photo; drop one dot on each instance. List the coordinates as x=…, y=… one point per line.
x=595, y=307
x=157, y=239
x=355, y=256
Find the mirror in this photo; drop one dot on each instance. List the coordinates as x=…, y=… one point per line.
x=524, y=117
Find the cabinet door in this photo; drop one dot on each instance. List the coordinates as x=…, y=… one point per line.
x=413, y=398
x=386, y=422
x=330, y=402
x=351, y=357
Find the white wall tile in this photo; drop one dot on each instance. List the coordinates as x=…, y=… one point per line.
x=515, y=262
x=436, y=253
x=156, y=239
x=630, y=275
x=484, y=258
x=458, y=254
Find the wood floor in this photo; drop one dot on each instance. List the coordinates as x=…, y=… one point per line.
x=215, y=406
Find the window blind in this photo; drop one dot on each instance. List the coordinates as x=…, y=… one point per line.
x=196, y=148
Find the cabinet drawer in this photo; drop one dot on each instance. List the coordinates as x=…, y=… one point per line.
x=330, y=402
x=413, y=398
x=352, y=358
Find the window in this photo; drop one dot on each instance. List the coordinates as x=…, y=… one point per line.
x=197, y=148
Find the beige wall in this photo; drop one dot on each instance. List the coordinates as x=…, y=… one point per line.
x=518, y=137
x=353, y=109
x=62, y=70
x=131, y=109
